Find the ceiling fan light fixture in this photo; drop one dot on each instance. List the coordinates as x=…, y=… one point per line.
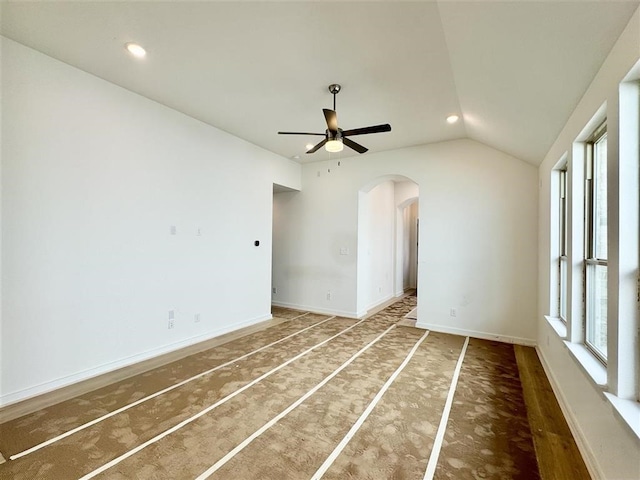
x=334, y=137
x=334, y=146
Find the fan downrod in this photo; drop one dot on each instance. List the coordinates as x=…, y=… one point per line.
x=334, y=88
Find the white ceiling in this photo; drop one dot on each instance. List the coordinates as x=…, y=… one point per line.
x=513, y=69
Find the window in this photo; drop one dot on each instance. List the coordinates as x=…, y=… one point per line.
x=594, y=224
x=628, y=242
x=596, y=244
x=562, y=241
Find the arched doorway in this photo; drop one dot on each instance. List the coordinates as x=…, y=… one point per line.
x=387, y=240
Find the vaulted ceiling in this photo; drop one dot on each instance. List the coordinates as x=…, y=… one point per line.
x=513, y=70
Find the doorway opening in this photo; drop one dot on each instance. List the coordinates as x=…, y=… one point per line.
x=387, y=241
x=281, y=236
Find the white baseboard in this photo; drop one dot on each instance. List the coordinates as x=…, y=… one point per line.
x=474, y=334
x=52, y=385
x=376, y=304
x=583, y=446
x=324, y=311
x=377, y=307
x=371, y=309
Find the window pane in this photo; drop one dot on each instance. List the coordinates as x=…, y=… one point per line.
x=600, y=198
x=563, y=288
x=597, y=308
x=563, y=212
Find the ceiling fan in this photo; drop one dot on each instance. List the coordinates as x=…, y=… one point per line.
x=335, y=137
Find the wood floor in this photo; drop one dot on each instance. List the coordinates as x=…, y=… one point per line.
x=557, y=452
x=311, y=396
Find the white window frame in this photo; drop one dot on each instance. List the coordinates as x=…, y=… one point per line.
x=592, y=262
x=563, y=241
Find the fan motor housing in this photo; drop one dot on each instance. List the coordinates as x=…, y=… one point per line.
x=334, y=135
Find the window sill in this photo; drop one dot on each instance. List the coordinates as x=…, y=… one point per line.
x=589, y=364
x=558, y=325
x=628, y=410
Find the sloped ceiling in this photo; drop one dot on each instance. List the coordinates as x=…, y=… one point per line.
x=513, y=70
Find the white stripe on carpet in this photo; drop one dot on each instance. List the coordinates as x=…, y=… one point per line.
x=277, y=418
x=356, y=426
x=437, y=443
x=160, y=392
x=413, y=314
x=177, y=427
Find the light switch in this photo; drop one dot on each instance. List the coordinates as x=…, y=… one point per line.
x=344, y=251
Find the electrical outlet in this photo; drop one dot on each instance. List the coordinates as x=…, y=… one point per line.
x=170, y=324
x=274, y=290
x=453, y=312
x=329, y=295
x=196, y=318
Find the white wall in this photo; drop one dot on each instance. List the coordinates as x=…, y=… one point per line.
x=478, y=223
x=312, y=226
x=607, y=443
x=93, y=176
x=1, y=234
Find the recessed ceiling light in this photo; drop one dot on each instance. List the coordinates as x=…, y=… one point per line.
x=309, y=146
x=135, y=50
x=296, y=157
x=453, y=118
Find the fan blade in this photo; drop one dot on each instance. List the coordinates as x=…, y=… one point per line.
x=332, y=119
x=300, y=133
x=318, y=146
x=355, y=146
x=363, y=131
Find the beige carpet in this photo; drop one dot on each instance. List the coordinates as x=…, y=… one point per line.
x=488, y=435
